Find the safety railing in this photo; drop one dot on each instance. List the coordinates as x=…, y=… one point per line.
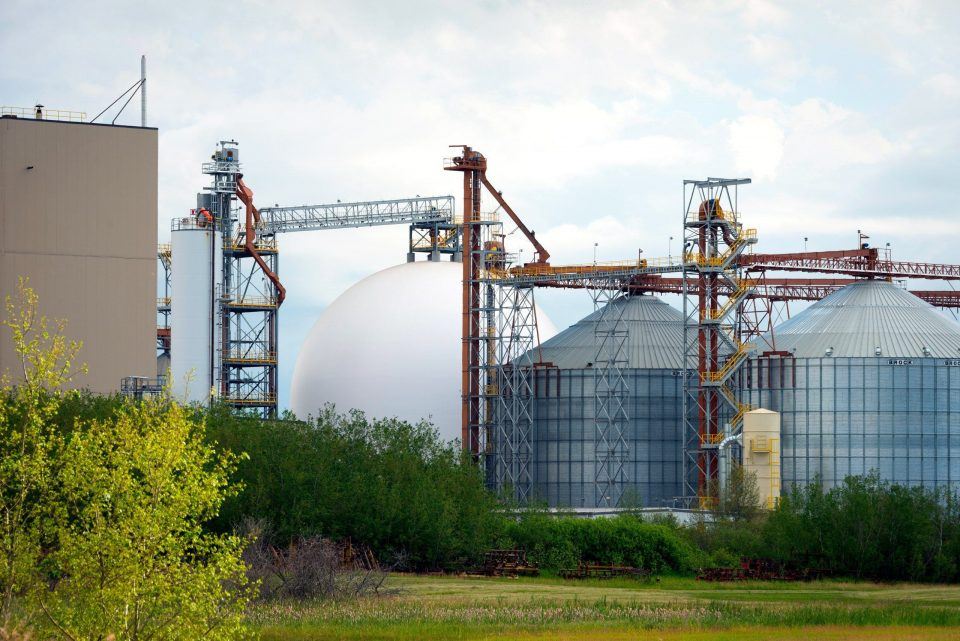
x=239, y=356
x=763, y=445
x=252, y=400
x=488, y=217
x=712, y=439
x=261, y=243
x=732, y=363
x=442, y=240
x=251, y=301
x=163, y=301
x=220, y=167
x=708, y=503
x=729, y=215
x=746, y=236
x=588, y=269
x=190, y=222
x=42, y=113
x=744, y=287
x=471, y=163
x=742, y=408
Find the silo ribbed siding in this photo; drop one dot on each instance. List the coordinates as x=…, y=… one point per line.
x=565, y=429
x=853, y=412
x=564, y=464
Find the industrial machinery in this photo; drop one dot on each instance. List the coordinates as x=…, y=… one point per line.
x=730, y=308
x=729, y=312
x=223, y=290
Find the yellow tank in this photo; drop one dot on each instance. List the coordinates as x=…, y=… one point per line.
x=761, y=453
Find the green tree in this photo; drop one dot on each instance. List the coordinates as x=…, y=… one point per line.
x=103, y=504
x=29, y=439
x=739, y=497
x=389, y=484
x=131, y=556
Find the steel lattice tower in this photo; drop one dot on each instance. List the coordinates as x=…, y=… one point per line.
x=248, y=302
x=713, y=290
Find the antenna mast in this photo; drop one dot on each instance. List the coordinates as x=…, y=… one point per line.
x=143, y=91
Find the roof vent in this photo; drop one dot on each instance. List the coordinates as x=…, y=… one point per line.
x=926, y=351
x=829, y=351
x=877, y=351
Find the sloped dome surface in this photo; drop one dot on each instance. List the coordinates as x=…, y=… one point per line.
x=860, y=318
x=655, y=337
x=374, y=350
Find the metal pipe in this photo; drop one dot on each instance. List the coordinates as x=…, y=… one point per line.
x=245, y=194
x=724, y=457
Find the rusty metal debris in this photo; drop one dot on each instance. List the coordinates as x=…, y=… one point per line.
x=510, y=563
x=760, y=570
x=590, y=571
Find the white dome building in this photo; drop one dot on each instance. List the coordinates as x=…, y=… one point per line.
x=390, y=346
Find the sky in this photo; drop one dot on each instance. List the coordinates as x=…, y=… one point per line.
x=846, y=115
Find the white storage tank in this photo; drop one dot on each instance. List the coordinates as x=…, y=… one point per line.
x=390, y=346
x=196, y=265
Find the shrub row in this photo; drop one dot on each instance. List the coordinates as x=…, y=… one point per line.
x=400, y=490
x=555, y=543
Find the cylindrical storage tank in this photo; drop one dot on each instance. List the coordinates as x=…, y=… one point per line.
x=868, y=379
x=564, y=466
x=197, y=267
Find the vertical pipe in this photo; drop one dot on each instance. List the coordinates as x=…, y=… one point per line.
x=143, y=91
x=703, y=400
x=213, y=296
x=468, y=258
x=475, y=302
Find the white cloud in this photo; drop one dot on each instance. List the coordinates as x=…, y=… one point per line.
x=590, y=114
x=757, y=144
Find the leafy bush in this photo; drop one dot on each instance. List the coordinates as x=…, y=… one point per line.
x=870, y=528
x=558, y=542
x=129, y=555
x=388, y=484
x=102, y=506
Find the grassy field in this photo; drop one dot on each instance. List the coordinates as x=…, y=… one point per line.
x=442, y=608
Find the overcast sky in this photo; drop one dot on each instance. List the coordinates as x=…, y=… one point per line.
x=846, y=115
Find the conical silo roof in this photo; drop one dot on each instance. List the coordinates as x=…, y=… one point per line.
x=870, y=318
x=655, y=336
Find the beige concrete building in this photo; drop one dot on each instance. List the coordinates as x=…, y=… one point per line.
x=78, y=216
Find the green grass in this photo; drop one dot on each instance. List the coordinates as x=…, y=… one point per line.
x=438, y=608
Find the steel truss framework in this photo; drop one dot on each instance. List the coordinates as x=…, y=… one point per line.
x=164, y=256
x=728, y=310
x=611, y=392
x=435, y=238
x=250, y=294
x=728, y=301
x=860, y=262
x=509, y=443
x=248, y=348
x=372, y=213
x=247, y=351
x=482, y=251
x=714, y=240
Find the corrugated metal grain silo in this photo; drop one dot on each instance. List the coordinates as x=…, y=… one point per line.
x=870, y=380
x=564, y=460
